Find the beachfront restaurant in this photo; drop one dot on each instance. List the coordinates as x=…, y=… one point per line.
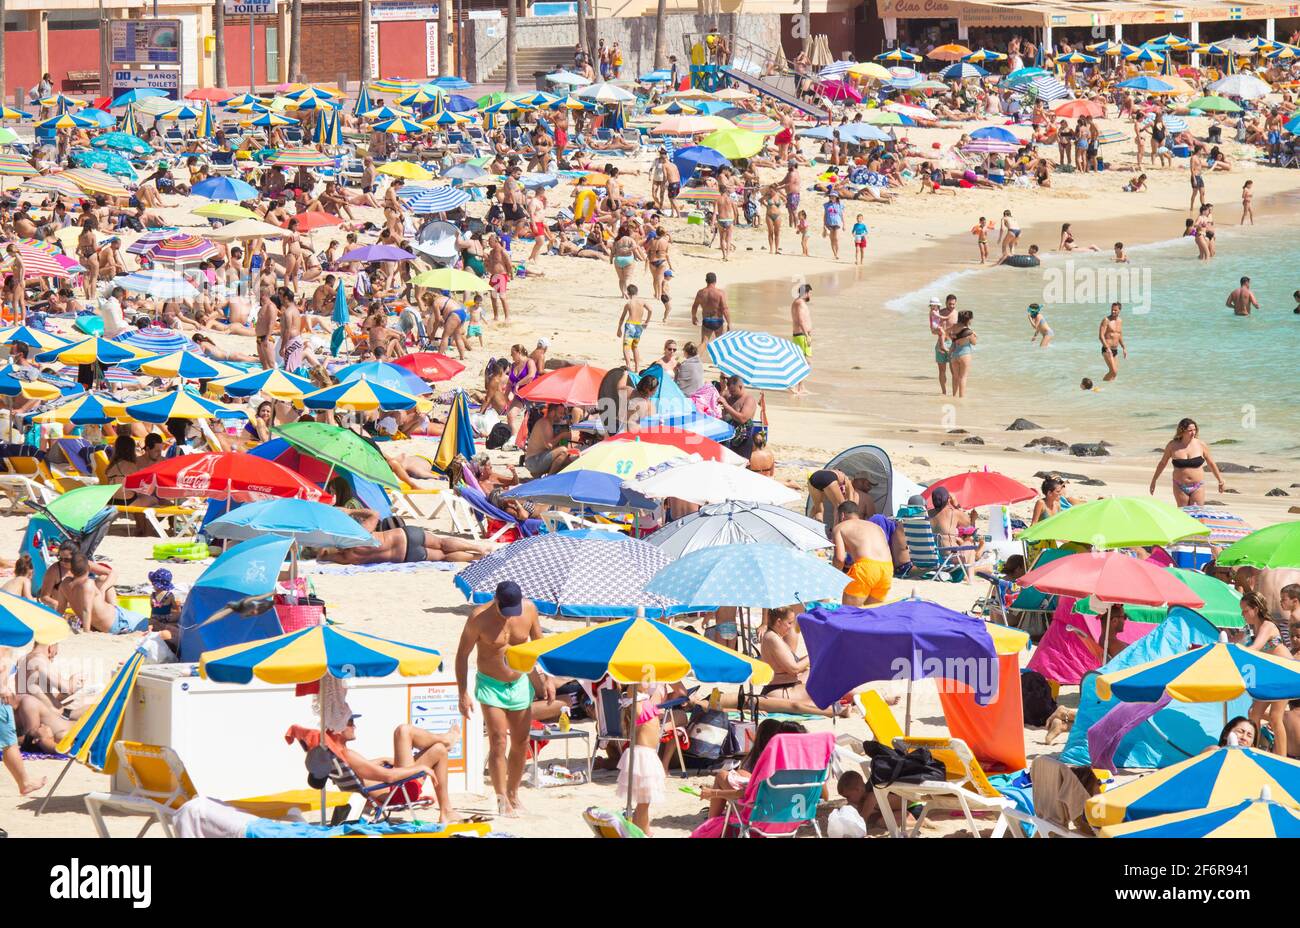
x=992, y=23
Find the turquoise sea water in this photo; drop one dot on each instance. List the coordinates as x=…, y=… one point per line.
x=1188, y=354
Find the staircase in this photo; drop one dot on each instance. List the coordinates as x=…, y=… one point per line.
x=528, y=60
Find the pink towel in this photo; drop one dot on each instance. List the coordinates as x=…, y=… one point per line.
x=811, y=751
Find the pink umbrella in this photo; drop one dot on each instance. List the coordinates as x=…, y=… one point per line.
x=840, y=90
x=1112, y=577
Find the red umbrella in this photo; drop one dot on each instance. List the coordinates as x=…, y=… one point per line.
x=688, y=442
x=982, y=488
x=242, y=478
x=430, y=366
x=1073, y=109
x=215, y=94
x=1112, y=577
x=316, y=219
x=575, y=385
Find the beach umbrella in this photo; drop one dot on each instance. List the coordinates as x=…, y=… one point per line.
x=456, y=103
x=868, y=69
x=1112, y=577
x=705, y=482
x=228, y=475
x=849, y=646
x=320, y=104
x=757, y=122
x=686, y=442
x=674, y=108
x=1252, y=818
x=689, y=125
x=537, y=99
x=430, y=366
x=340, y=448
x=181, y=113
x=129, y=124
x=394, y=85
x=182, y=248
x=59, y=102
x=758, y=576
x=1048, y=88
x=1243, y=86
x=949, y=52
x=361, y=394
x=426, y=200
x=368, y=253
x=585, y=574
x=1025, y=75
x=23, y=622
x=187, y=365
x=457, y=439
x=656, y=77
x=27, y=389
x=624, y=459
x=302, y=157
x=1145, y=54
x=962, y=71
x=977, y=489
x=1208, y=780
x=1146, y=83
x=400, y=126
x=734, y=144
x=66, y=121
x=340, y=314
x=123, y=141
x=92, y=181
x=34, y=338
x=1211, y=673
x=505, y=105
x=447, y=118
x=898, y=55
x=565, y=78
x=39, y=263
x=1221, y=606
x=273, y=382
x=307, y=523
x=7, y=112
x=334, y=134
x=244, y=99
x=224, y=210
x=157, y=283
x=1118, y=522
x=155, y=340
x=901, y=78
x=14, y=166
x=147, y=240
x=575, y=385
x=407, y=170
x=90, y=351
x=1073, y=109
x=313, y=220
x=384, y=373
x=452, y=82
x=691, y=420
x=86, y=409
x=209, y=94
x=1225, y=527
x=274, y=119
x=982, y=55
x=606, y=93
x=177, y=404
x=1214, y=105
x=590, y=488
x=256, y=108
x=386, y=112
x=840, y=90
x=834, y=70
x=739, y=523
x=451, y=279
x=1077, y=57
x=1277, y=546
x=762, y=361
x=363, y=101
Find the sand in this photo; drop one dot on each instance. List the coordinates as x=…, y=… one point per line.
x=576, y=303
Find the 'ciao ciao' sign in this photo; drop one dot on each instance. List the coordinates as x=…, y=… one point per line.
x=919, y=9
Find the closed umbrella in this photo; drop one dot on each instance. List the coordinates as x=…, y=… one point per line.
x=762, y=361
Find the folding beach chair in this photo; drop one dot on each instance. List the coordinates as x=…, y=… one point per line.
x=928, y=556
x=483, y=510
x=381, y=800
x=785, y=789
x=609, y=721
x=160, y=785
x=967, y=789
x=879, y=717
x=606, y=824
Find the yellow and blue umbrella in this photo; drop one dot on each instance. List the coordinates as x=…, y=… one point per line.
x=386, y=111
x=1254, y=818
x=7, y=112
x=87, y=409
x=425, y=93
x=244, y=99
x=320, y=130
x=363, y=102
x=60, y=103
x=457, y=436
x=400, y=126
x=34, y=338
x=27, y=389
x=187, y=365
x=66, y=121
x=274, y=119
x=253, y=107
x=334, y=135
x=129, y=124
x=177, y=404
x=625, y=459
x=207, y=126
x=898, y=55
x=507, y=106
x=308, y=655
x=393, y=85
x=447, y=118
x=362, y=394
x=1211, y=673
x=91, y=351
x=1213, y=779
x=273, y=382
x=180, y=113
x=23, y=621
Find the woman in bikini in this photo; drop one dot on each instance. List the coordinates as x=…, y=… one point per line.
x=963, y=346
x=624, y=253
x=1263, y=636
x=1189, y=457
x=829, y=488
x=1038, y=322
x=1054, y=499
x=88, y=254
x=521, y=372
x=774, y=203
x=780, y=648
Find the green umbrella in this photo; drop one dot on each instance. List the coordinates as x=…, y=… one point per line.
x=1117, y=522
x=1215, y=104
x=76, y=508
x=1222, y=603
x=1275, y=546
x=339, y=447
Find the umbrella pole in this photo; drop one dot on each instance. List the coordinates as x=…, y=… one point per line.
x=907, y=715
x=631, y=755
x=322, y=744
x=68, y=766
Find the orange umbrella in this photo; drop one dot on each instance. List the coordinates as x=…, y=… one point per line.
x=950, y=52
x=316, y=219
x=1073, y=109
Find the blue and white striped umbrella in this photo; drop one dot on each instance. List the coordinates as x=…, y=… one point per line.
x=755, y=575
x=432, y=199
x=961, y=71
x=902, y=78
x=1172, y=123
x=763, y=361
x=1049, y=88
x=579, y=574
x=834, y=70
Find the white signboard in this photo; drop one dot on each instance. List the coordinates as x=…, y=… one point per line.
x=431, y=48
x=250, y=7
x=403, y=11
x=484, y=14
x=375, y=69
x=168, y=80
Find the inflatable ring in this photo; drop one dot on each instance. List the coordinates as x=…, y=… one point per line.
x=1022, y=261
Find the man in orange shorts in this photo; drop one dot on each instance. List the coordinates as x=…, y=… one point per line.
x=862, y=551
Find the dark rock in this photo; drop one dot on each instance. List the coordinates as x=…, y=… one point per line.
x=1009, y=448
x=1083, y=449
x=1226, y=441
x=1230, y=490
x=1213, y=502
x=1228, y=467
x=1077, y=478
x=1294, y=510
x=1092, y=482
x=920, y=462
x=973, y=440
x=1022, y=425
x=1047, y=441
x=1277, y=491
x=949, y=444
x=957, y=432
x=1295, y=485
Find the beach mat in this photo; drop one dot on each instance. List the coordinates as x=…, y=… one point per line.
x=348, y=570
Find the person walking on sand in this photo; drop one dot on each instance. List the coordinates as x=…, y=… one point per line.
x=631, y=326
x=710, y=311
x=1247, y=206
x=1242, y=300
x=963, y=341
x=981, y=232
x=1189, y=456
x=1111, y=336
x=801, y=324
x=1196, y=167
x=505, y=694
x=657, y=256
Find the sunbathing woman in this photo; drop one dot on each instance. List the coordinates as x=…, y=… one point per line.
x=778, y=648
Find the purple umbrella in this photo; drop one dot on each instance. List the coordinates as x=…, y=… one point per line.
x=911, y=639
x=376, y=253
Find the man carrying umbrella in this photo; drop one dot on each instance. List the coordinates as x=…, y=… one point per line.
x=505, y=694
x=862, y=551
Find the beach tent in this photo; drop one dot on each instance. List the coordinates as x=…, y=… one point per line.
x=248, y=569
x=890, y=489
x=669, y=399
x=1179, y=730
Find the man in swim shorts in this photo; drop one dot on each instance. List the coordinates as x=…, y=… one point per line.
x=94, y=600
x=862, y=551
x=407, y=544
x=710, y=310
x=631, y=326
x=505, y=694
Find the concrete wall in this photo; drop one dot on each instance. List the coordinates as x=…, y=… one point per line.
x=636, y=36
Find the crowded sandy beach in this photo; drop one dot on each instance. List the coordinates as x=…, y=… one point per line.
x=745, y=447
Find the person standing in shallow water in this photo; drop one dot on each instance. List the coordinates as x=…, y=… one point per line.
x=1111, y=336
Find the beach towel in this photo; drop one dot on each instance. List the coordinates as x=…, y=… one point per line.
x=1105, y=736
x=810, y=751
x=1062, y=656
x=707, y=401
x=348, y=570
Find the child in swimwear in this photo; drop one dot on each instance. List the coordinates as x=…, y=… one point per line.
x=164, y=610
x=1038, y=322
x=640, y=763
x=802, y=228
x=981, y=231
x=475, y=327
x=859, y=232
x=1086, y=384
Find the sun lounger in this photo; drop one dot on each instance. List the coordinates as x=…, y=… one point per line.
x=160, y=785
x=187, y=518
x=879, y=718
x=483, y=510
x=967, y=789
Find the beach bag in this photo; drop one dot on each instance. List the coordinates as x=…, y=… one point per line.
x=891, y=766
x=1036, y=697
x=498, y=437
x=708, y=730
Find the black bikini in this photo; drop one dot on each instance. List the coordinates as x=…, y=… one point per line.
x=821, y=479
x=1188, y=463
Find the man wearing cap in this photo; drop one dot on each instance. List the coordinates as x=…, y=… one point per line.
x=862, y=551
x=951, y=524
x=505, y=694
